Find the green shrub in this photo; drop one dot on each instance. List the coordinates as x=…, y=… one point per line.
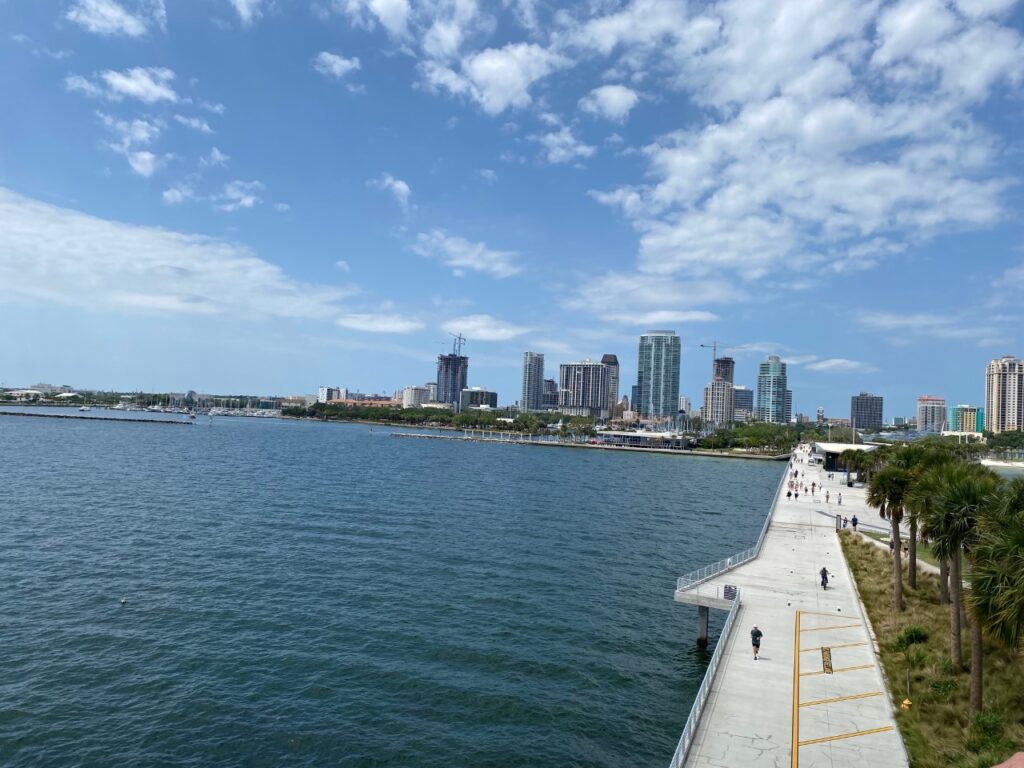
x=911, y=636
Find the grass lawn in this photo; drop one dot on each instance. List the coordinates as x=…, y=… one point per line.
x=939, y=730
x=924, y=551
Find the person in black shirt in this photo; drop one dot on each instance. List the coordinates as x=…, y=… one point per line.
x=755, y=640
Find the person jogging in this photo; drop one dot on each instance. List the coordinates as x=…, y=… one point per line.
x=755, y=640
x=853, y=520
x=824, y=577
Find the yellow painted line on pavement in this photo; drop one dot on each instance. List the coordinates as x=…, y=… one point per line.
x=846, y=735
x=796, y=694
x=840, y=698
x=837, y=626
x=841, y=645
x=841, y=669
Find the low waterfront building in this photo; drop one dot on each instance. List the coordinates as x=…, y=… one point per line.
x=827, y=454
x=375, y=403
x=415, y=397
x=331, y=393
x=474, y=397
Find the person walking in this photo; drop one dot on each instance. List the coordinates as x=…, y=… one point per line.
x=824, y=577
x=826, y=495
x=853, y=520
x=839, y=500
x=755, y=640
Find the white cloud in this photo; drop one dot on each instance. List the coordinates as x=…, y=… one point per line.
x=661, y=317
x=562, y=146
x=484, y=328
x=379, y=323
x=332, y=65
x=56, y=255
x=248, y=10
x=488, y=175
x=898, y=328
x=611, y=101
x=108, y=17
x=240, y=194
x=129, y=136
x=144, y=163
x=627, y=293
x=177, y=193
x=396, y=187
x=215, y=158
x=342, y=265
x=393, y=15
x=461, y=254
x=840, y=365
x=195, y=123
x=147, y=84
x=830, y=132
x=497, y=78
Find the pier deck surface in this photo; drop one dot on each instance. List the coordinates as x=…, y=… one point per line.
x=786, y=710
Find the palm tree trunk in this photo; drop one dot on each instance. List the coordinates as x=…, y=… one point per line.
x=944, y=582
x=954, y=611
x=976, y=659
x=897, y=556
x=912, y=570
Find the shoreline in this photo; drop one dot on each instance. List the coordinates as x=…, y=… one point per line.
x=96, y=418
x=628, y=448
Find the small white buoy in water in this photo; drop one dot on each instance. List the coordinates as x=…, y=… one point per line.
x=123, y=599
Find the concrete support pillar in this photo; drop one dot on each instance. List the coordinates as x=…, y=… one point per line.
x=702, y=625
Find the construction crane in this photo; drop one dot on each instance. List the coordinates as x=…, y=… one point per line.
x=457, y=343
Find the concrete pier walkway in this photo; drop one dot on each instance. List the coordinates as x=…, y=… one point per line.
x=816, y=697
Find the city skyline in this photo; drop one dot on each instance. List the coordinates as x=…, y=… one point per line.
x=358, y=185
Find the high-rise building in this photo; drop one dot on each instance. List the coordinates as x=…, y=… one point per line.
x=865, y=411
x=657, y=375
x=743, y=404
x=771, y=391
x=931, y=413
x=583, y=389
x=477, y=397
x=787, y=411
x=820, y=418
x=966, y=418
x=431, y=391
x=719, y=402
x=452, y=374
x=684, y=404
x=723, y=368
x=533, y=383
x=611, y=362
x=1004, y=395
x=550, y=402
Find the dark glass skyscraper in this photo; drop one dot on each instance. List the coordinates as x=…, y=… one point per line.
x=611, y=362
x=452, y=374
x=866, y=411
x=533, y=382
x=772, y=392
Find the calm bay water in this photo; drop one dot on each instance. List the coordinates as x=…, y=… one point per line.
x=314, y=594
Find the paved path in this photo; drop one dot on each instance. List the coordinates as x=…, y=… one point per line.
x=760, y=712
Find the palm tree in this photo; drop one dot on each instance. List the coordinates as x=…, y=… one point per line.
x=997, y=578
x=964, y=493
x=887, y=492
x=921, y=500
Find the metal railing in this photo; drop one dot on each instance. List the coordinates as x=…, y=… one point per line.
x=690, y=729
x=694, y=578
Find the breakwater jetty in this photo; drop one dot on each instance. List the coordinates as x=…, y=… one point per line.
x=127, y=419
x=816, y=697
x=517, y=438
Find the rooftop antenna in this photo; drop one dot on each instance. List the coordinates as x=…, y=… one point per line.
x=457, y=343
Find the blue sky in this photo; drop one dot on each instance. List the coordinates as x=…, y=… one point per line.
x=266, y=196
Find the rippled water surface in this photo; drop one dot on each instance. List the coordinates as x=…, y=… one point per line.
x=314, y=594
